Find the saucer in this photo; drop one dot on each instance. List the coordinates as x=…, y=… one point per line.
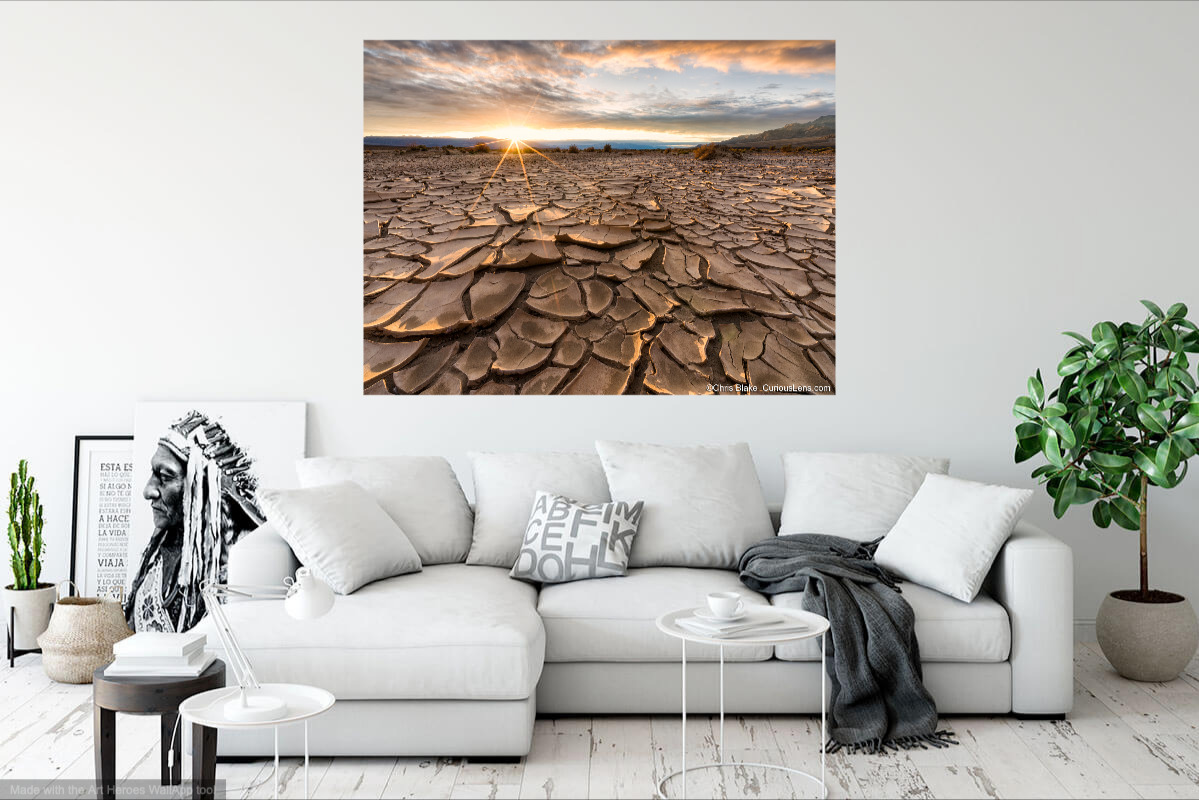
x=703, y=613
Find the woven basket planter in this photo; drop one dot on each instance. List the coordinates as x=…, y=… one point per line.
x=80, y=637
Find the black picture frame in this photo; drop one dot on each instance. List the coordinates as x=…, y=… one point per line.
x=79, y=440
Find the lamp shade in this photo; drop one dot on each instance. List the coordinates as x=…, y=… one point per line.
x=309, y=598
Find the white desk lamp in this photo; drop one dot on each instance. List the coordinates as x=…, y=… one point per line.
x=305, y=597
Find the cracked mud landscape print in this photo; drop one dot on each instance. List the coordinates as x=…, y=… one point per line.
x=613, y=217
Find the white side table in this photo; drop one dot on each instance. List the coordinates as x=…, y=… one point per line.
x=204, y=711
x=817, y=626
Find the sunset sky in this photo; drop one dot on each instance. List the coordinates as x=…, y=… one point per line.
x=627, y=90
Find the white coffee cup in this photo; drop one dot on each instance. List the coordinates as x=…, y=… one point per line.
x=725, y=604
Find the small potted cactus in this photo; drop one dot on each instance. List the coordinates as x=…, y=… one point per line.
x=31, y=599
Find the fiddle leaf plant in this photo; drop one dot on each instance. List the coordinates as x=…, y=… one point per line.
x=1125, y=415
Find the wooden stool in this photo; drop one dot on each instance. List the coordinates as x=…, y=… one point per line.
x=147, y=695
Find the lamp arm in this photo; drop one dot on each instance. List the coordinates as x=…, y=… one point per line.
x=238, y=660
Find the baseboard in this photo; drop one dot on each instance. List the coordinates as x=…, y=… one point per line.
x=1084, y=630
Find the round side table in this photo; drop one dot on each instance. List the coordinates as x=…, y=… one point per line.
x=206, y=714
x=138, y=694
x=816, y=626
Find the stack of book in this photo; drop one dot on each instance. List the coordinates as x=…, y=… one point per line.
x=764, y=623
x=154, y=654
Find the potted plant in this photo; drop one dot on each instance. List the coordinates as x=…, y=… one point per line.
x=32, y=600
x=1124, y=417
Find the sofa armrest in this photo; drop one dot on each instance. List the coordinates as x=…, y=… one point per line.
x=1033, y=579
x=261, y=558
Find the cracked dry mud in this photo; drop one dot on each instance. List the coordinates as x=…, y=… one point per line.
x=605, y=273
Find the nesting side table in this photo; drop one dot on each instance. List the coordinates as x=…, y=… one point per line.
x=137, y=694
x=817, y=626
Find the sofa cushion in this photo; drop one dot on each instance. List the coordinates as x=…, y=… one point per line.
x=856, y=495
x=946, y=629
x=451, y=632
x=505, y=485
x=340, y=533
x=421, y=493
x=614, y=619
x=948, y=536
x=703, y=505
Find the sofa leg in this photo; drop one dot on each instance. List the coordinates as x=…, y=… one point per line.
x=1041, y=717
x=493, y=759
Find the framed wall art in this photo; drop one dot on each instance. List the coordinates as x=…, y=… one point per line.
x=599, y=217
x=102, y=514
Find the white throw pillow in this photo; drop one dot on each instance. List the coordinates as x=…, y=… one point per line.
x=340, y=533
x=948, y=536
x=703, y=505
x=570, y=541
x=855, y=495
x=421, y=493
x=507, y=483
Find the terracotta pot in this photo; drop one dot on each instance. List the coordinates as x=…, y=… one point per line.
x=1147, y=641
x=33, y=607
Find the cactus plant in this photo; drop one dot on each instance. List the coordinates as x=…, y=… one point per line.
x=25, y=522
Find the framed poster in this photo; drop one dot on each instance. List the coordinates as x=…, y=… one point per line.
x=102, y=513
x=599, y=217
x=197, y=468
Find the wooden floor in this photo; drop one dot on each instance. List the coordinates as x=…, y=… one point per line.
x=1123, y=740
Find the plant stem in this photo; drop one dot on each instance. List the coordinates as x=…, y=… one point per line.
x=1144, y=535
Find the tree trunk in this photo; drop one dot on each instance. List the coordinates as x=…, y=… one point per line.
x=1144, y=536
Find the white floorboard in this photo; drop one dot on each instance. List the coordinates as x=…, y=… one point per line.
x=1123, y=739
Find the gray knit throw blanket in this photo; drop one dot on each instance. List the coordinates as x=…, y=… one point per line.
x=878, y=697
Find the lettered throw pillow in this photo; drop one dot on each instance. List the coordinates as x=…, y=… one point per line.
x=570, y=541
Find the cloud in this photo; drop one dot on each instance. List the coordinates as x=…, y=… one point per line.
x=793, y=58
x=432, y=86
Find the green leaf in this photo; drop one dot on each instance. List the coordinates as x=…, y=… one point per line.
x=1146, y=464
x=1125, y=514
x=1051, y=448
x=1071, y=365
x=1176, y=310
x=1084, y=495
x=1065, y=495
x=1110, y=462
x=1102, y=514
x=1188, y=425
x=1167, y=456
x=1103, y=331
x=1026, y=408
x=1169, y=337
x=1055, y=410
x=1154, y=309
x=1077, y=337
x=1153, y=419
x=1036, y=389
x=1044, y=469
x=1134, y=385
x=1182, y=378
x=1064, y=432
x=1027, y=440
x=1105, y=348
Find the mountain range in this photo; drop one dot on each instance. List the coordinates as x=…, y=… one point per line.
x=820, y=132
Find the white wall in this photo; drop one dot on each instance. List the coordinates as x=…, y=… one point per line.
x=180, y=194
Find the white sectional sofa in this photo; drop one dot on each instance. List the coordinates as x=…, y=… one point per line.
x=458, y=660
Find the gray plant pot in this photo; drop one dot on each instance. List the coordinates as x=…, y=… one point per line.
x=1147, y=641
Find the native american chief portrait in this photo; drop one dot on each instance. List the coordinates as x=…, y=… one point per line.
x=201, y=493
